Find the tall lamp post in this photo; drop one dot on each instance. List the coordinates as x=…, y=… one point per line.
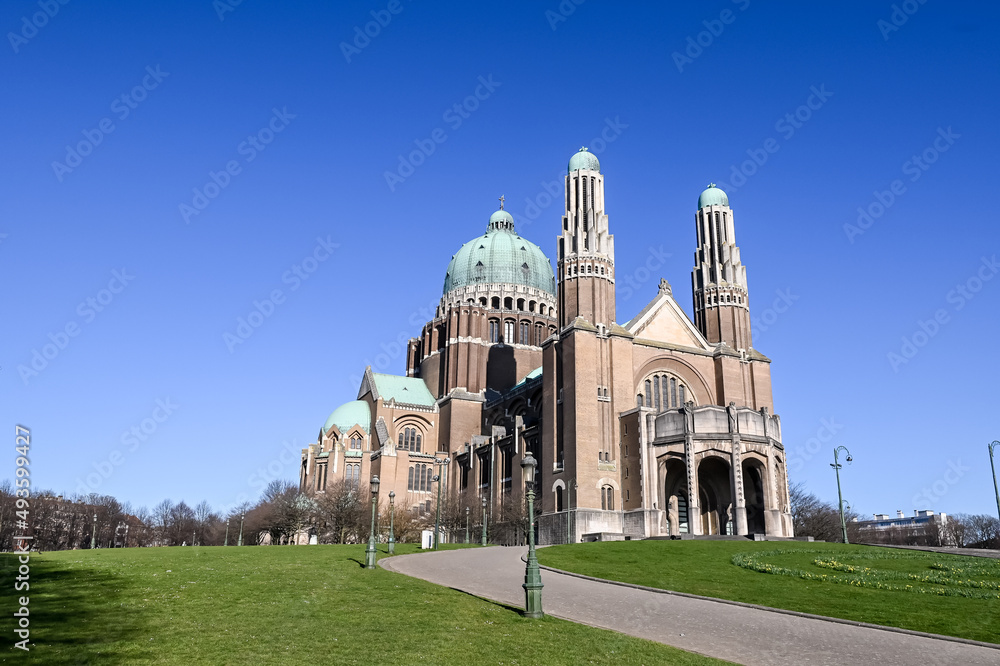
x=93, y=534
x=392, y=522
x=467, y=525
x=532, y=576
x=370, y=551
x=996, y=490
x=484, y=519
x=226, y=542
x=437, y=518
x=840, y=498
x=240, y=542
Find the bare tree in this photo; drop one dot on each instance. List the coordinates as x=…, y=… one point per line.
x=813, y=517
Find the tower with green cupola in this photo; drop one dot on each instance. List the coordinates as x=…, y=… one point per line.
x=719, y=279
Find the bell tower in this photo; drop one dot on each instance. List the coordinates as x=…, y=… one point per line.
x=719, y=279
x=586, y=261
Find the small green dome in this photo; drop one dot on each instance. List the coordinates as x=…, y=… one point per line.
x=712, y=196
x=500, y=256
x=584, y=159
x=350, y=414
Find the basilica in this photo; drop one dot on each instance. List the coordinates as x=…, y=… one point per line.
x=658, y=426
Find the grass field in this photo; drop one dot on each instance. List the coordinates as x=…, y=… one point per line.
x=879, y=585
x=286, y=604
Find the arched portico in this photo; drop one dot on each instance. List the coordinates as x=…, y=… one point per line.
x=716, y=497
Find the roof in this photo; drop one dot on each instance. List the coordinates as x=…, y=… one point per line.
x=350, y=414
x=408, y=390
x=584, y=159
x=537, y=372
x=712, y=196
x=500, y=256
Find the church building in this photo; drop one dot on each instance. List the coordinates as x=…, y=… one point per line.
x=656, y=426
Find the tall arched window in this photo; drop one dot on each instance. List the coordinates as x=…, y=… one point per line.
x=559, y=499
x=524, y=333
x=494, y=330
x=539, y=334
x=670, y=388
x=608, y=498
x=508, y=331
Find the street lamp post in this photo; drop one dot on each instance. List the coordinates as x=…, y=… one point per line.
x=370, y=554
x=93, y=534
x=996, y=490
x=392, y=522
x=532, y=576
x=437, y=518
x=192, y=536
x=840, y=498
x=467, y=525
x=240, y=542
x=126, y=536
x=226, y=542
x=484, y=519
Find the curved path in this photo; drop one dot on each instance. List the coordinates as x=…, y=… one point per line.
x=737, y=633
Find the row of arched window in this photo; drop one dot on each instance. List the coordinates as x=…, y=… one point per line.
x=355, y=442
x=419, y=478
x=588, y=269
x=526, y=333
x=662, y=392
x=520, y=304
x=409, y=440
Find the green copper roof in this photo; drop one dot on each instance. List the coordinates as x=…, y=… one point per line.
x=409, y=390
x=500, y=256
x=348, y=415
x=584, y=159
x=537, y=372
x=712, y=196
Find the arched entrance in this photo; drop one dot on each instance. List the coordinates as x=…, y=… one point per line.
x=715, y=496
x=753, y=490
x=675, y=492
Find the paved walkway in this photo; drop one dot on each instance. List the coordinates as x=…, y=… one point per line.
x=736, y=633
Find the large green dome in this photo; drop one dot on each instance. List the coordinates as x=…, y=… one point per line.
x=712, y=196
x=500, y=256
x=350, y=414
x=584, y=159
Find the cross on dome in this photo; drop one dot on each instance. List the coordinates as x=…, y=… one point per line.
x=501, y=202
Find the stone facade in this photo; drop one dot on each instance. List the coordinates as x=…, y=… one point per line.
x=658, y=426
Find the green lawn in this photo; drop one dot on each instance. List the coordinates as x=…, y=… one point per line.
x=873, y=582
x=286, y=604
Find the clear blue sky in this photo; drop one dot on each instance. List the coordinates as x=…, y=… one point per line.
x=554, y=85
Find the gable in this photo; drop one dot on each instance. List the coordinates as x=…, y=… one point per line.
x=663, y=320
